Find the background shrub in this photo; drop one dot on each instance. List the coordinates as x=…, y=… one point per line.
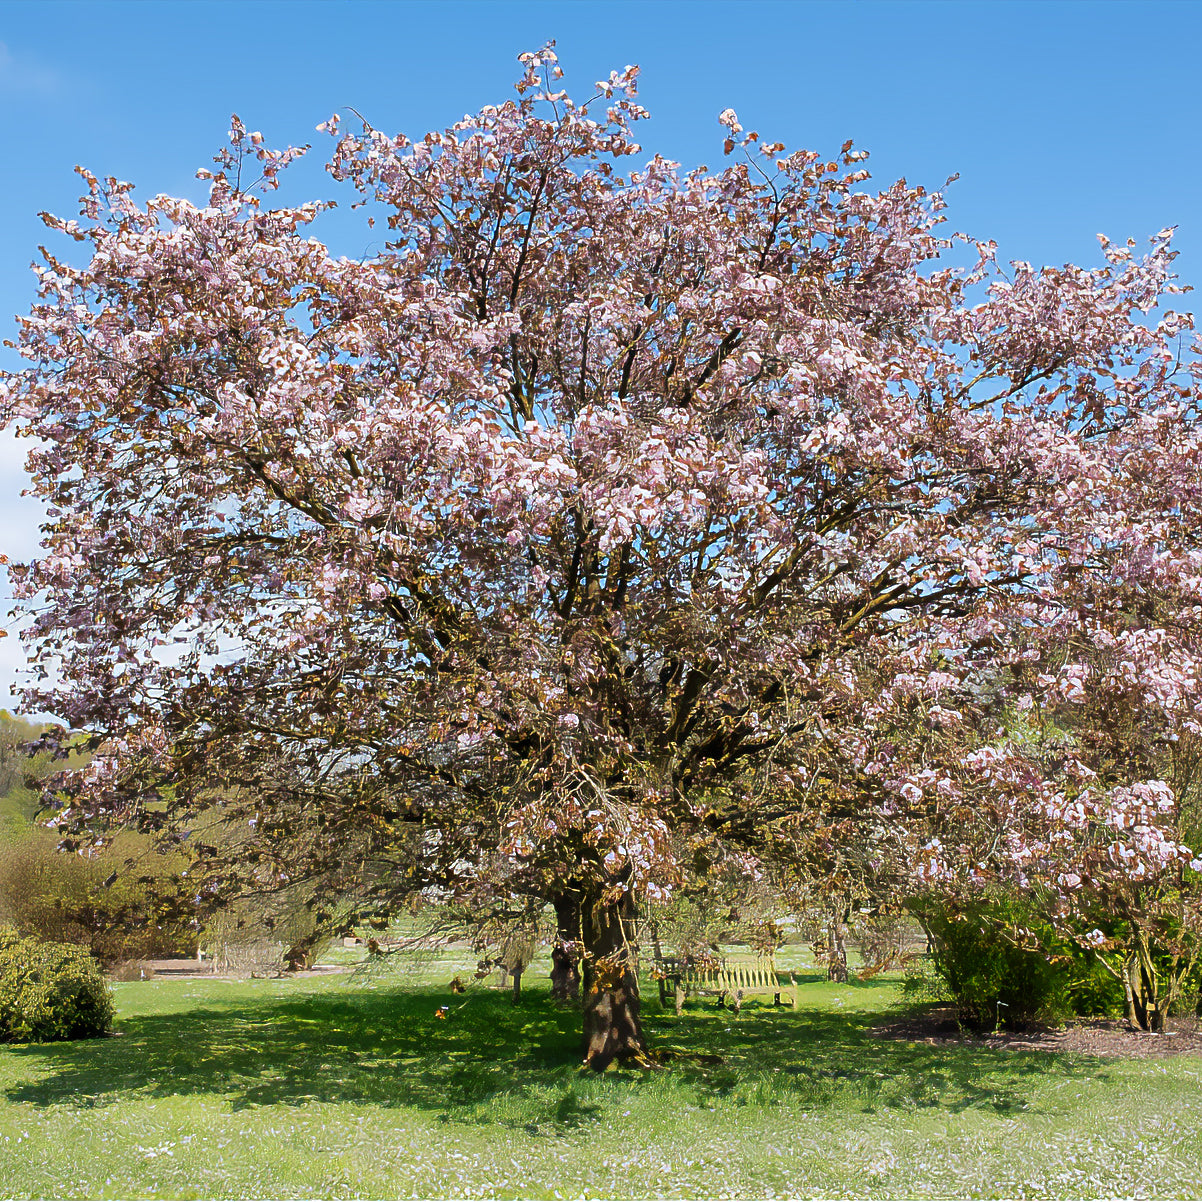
x=22, y=769
x=50, y=991
x=1004, y=965
x=121, y=903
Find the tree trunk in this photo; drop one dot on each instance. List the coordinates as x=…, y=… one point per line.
x=836, y=962
x=1155, y=1007
x=565, y=955
x=1141, y=1010
x=1147, y=1002
x=1129, y=995
x=565, y=976
x=612, y=1030
x=655, y=947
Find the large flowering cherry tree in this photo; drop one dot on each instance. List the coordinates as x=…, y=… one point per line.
x=606, y=503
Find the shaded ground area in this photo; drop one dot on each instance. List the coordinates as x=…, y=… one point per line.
x=389, y=1047
x=1088, y=1037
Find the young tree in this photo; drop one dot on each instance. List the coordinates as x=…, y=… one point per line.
x=1119, y=733
x=597, y=506
x=22, y=765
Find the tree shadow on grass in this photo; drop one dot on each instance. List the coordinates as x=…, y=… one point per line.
x=828, y=1059
x=501, y=1063
x=383, y=1047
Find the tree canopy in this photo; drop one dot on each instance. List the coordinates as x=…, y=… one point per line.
x=606, y=509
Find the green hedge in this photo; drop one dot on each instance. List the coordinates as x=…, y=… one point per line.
x=50, y=991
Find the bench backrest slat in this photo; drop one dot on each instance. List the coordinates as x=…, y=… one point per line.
x=731, y=974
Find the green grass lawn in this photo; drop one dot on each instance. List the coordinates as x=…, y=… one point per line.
x=335, y=1088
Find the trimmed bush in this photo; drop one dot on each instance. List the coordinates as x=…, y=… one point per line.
x=50, y=991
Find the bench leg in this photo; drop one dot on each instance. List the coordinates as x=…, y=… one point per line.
x=663, y=993
x=679, y=998
x=776, y=999
x=738, y=1001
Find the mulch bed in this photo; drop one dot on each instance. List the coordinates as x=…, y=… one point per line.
x=1086, y=1037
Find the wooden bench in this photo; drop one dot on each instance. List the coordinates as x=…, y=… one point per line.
x=736, y=977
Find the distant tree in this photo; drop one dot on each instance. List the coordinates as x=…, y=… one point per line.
x=718, y=901
x=596, y=507
x=22, y=767
x=123, y=902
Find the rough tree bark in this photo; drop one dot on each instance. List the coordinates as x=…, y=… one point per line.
x=565, y=976
x=569, y=945
x=612, y=1028
x=836, y=961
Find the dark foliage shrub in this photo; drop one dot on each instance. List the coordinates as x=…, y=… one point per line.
x=1004, y=965
x=1092, y=991
x=50, y=991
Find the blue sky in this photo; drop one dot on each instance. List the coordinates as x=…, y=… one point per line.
x=1063, y=120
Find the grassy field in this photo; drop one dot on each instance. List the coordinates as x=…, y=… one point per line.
x=328, y=1087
